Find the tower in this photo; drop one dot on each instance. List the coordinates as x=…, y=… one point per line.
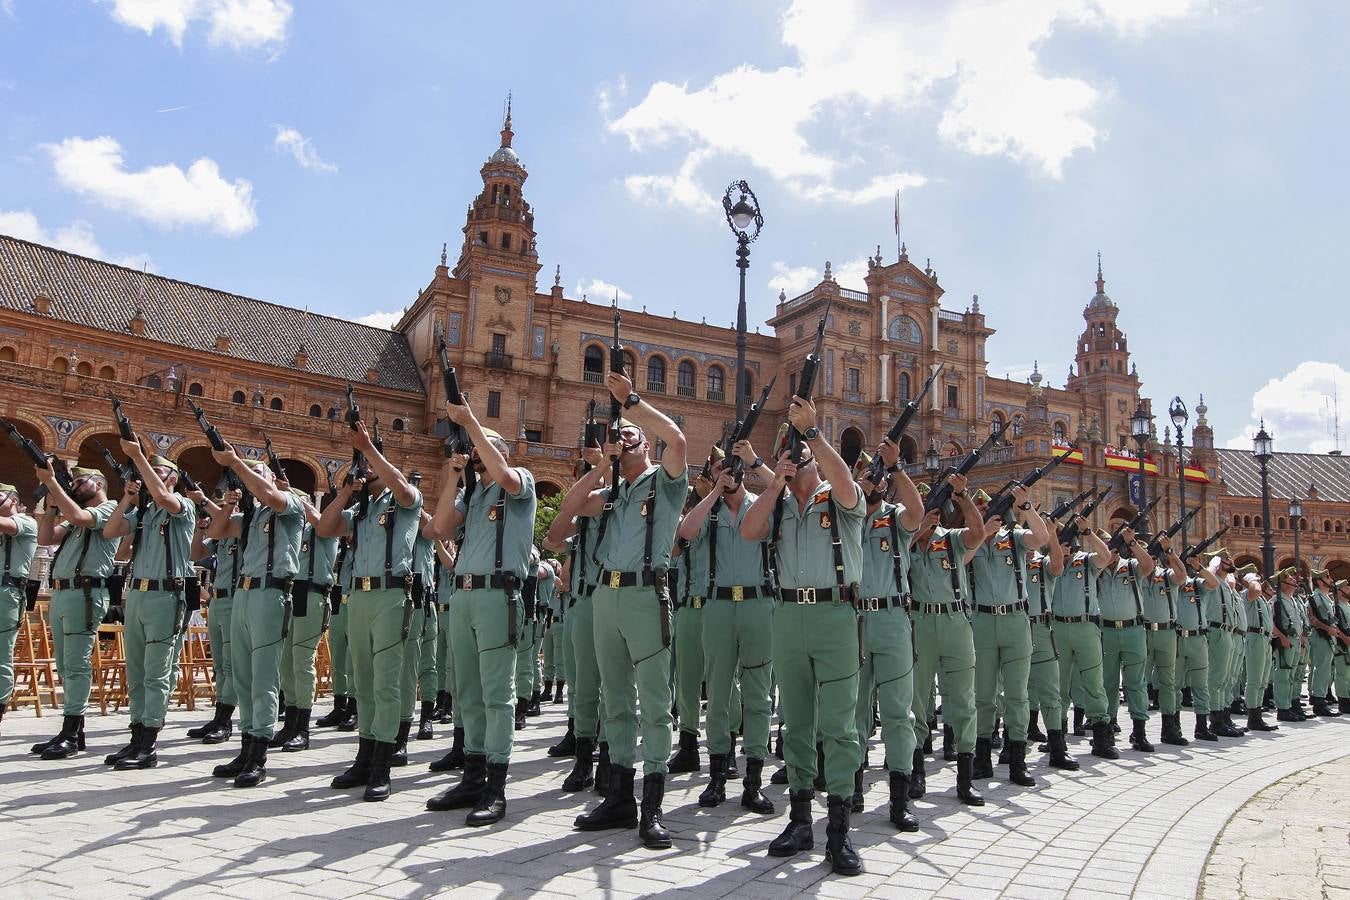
x=499, y=230
x=1104, y=377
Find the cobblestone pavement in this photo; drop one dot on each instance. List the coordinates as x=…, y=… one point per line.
x=77, y=829
x=1290, y=840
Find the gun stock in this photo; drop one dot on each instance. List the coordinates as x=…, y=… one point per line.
x=1155, y=545
x=353, y=409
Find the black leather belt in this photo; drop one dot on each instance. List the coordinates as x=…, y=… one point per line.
x=1259, y=631
x=222, y=593
x=13, y=581
x=445, y=607
x=146, y=585
x=503, y=580
x=876, y=604
x=381, y=582
x=75, y=584
x=324, y=589
x=692, y=603
x=933, y=609
x=1192, y=632
x=738, y=592
x=808, y=595
x=613, y=578
x=265, y=583
x=1121, y=623
x=1002, y=609
x=1074, y=620
x=1159, y=626
x=1043, y=618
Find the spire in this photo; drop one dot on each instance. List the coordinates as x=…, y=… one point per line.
x=557, y=275
x=443, y=252
x=1101, y=282
x=507, y=134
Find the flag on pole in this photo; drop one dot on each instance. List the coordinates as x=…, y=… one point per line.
x=897, y=213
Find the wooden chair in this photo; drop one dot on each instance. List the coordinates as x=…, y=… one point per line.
x=27, y=667
x=110, y=668
x=198, y=670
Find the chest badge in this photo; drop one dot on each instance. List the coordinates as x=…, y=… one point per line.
x=492, y=514
x=383, y=520
x=304, y=548
x=824, y=520
x=164, y=527
x=267, y=527
x=885, y=545
x=643, y=511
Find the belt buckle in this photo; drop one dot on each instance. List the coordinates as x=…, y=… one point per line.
x=466, y=582
x=806, y=595
x=248, y=582
x=873, y=604
x=142, y=584
x=615, y=577
x=737, y=593
x=1001, y=609
x=363, y=582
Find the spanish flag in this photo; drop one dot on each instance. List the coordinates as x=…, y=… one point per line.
x=1117, y=460
x=1196, y=474
x=1071, y=455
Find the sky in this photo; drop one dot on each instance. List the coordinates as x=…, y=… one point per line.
x=318, y=154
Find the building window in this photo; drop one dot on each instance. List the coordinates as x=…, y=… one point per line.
x=153, y=381
x=952, y=396
x=537, y=345
x=534, y=435
x=1061, y=433
x=798, y=331
x=195, y=389
x=905, y=330
x=498, y=344
x=902, y=387
x=854, y=380
x=84, y=368
x=107, y=373
x=483, y=238
x=792, y=384
x=715, y=383
x=237, y=397
x=593, y=365
x=316, y=411
x=684, y=375
x=276, y=404
x=1018, y=424
x=60, y=364
x=748, y=383
x=6, y=354
x=494, y=406
x=399, y=425
x=453, y=328
x=506, y=241
x=656, y=374
x=996, y=422
x=506, y=195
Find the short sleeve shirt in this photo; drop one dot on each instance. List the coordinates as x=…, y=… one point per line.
x=653, y=498
x=16, y=550
x=880, y=553
x=1159, y=596
x=321, y=552
x=97, y=551
x=999, y=567
x=1116, y=597
x=277, y=533
x=385, y=523
x=1188, y=604
x=1040, y=585
x=478, y=550
x=805, y=558
x=547, y=591
x=1076, y=589
x=932, y=566
x=1325, y=607
x=739, y=562
x=158, y=523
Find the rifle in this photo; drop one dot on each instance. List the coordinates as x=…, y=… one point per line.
x=273, y=461
x=126, y=472
x=353, y=410
x=1117, y=540
x=942, y=493
x=123, y=423
x=1155, y=545
x=902, y=422
x=185, y=483
x=806, y=384
x=743, y=429
x=1060, y=511
x=33, y=451
x=332, y=488
x=457, y=440
x=616, y=362
x=376, y=441
x=1070, y=534
x=1003, y=500
x=1203, y=545
x=212, y=435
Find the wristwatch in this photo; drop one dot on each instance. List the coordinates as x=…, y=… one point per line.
x=1025, y=507
x=757, y=464
x=811, y=433
x=893, y=469
x=632, y=401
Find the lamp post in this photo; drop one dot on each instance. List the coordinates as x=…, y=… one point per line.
x=745, y=221
x=1140, y=424
x=1296, y=519
x=1179, y=416
x=932, y=463
x=1263, y=448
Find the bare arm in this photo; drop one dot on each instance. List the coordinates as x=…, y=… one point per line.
x=494, y=464
x=163, y=497
x=755, y=525
x=331, y=521
x=692, y=523
x=118, y=525
x=446, y=519
x=265, y=492
x=1031, y=518
x=649, y=418
x=404, y=493
x=58, y=499
x=559, y=530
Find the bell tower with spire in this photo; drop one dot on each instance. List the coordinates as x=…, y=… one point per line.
x=1104, y=376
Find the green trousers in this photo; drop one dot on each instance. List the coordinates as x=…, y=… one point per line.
x=256, y=644
x=527, y=658
x=218, y=616
x=484, y=653
x=445, y=661
x=1343, y=674
x=1080, y=669
x=585, y=679
x=74, y=631
x=412, y=660
x=339, y=651
x=1301, y=668
x=1161, y=660
x=632, y=646
x=1237, y=668
x=816, y=661
x=1193, y=670
x=552, y=647
x=1258, y=669
x=888, y=669
x=1285, y=681
x=569, y=662
x=13, y=607
x=1322, y=653
x=689, y=663
x=1123, y=653
x=1043, y=679
x=1220, y=666
x=1003, y=651
x=944, y=645
x=151, y=630
x=299, y=648
x=428, y=676
x=375, y=645
x=738, y=638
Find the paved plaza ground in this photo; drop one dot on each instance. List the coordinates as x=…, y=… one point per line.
x=1144, y=825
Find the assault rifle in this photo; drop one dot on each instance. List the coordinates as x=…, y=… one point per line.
x=123, y=423
x=273, y=461
x=1140, y=521
x=1068, y=506
x=902, y=421
x=1155, y=545
x=616, y=363
x=32, y=450
x=806, y=385
x=942, y=493
x=1204, y=545
x=125, y=472
x=743, y=430
x=1070, y=534
x=457, y=440
x=353, y=410
x=1003, y=500
x=216, y=441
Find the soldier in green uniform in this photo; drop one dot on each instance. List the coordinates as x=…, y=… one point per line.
x=1078, y=634
x=1260, y=624
x=423, y=565
x=634, y=538
x=80, y=570
x=220, y=608
x=1124, y=640
x=812, y=515
x=1237, y=662
x=18, y=535
x=262, y=617
x=487, y=615
x=1002, y=631
x=737, y=631
x=161, y=546
x=690, y=600
x=1343, y=646
x=554, y=675
x=343, y=714
x=446, y=554
x=1193, y=644
x=380, y=525
x=428, y=674
x=1291, y=637
x=1323, y=641
x=1218, y=604
x=1043, y=572
x=527, y=649
x=1160, y=595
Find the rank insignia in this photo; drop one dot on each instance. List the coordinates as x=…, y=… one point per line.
x=267, y=527
x=164, y=527
x=885, y=545
x=824, y=520
x=384, y=517
x=643, y=511
x=492, y=514
x=946, y=564
x=304, y=547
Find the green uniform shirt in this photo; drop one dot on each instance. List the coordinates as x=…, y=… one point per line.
x=1290, y=616
x=1116, y=589
x=321, y=553
x=997, y=567
x=345, y=570
x=1160, y=597
x=1212, y=603
x=1189, y=604
x=226, y=551
x=931, y=566
x=693, y=565
x=880, y=551
x=445, y=586
x=1343, y=614
x=280, y=530
x=626, y=532
x=1238, y=614
x=424, y=559
x=804, y=554
x=547, y=589
x=1040, y=585
x=98, y=551
x=478, y=550
x=584, y=572
x=1324, y=607
x=384, y=518
x=157, y=523
x=739, y=562
x=16, y=550
x=1076, y=589
x=1260, y=614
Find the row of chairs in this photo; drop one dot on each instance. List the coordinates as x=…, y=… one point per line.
x=37, y=683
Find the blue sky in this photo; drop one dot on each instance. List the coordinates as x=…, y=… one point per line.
x=319, y=154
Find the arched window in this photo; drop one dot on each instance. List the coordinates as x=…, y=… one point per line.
x=593, y=365
x=684, y=379
x=1326, y=524
x=108, y=373
x=60, y=364
x=1061, y=433
x=195, y=389
x=399, y=425
x=904, y=329
x=1302, y=524
x=902, y=387
x=1237, y=521
x=1282, y=523
x=316, y=410
x=237, y=397
x=656, y=374
x=1018, y=423
x=275, y=404
x=630, y=364
x=154, y=381
x=1246, y=521
x=1256, y=522
x=716, y=380
x=1338, y=526
x=84, y=368
x=7, y=354
x=996, y=422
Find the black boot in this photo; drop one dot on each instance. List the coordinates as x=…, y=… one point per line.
x=797, y=836
x=232, y=768
x=752, y=798
x=1228, y=720
x=349, y=721
x=300, y=740
x=69, y=742
x=1287, y=715
x=839, y=852
x=1152, y=697
x=716, y=791
x=998, y=736
x=399, y=756
x=618, y=809
x=424, y=719
x=918, y=781
x=145, y=756
x=1235, y=706
x=200, y=731
x=901, y=817
x=287, y=730
x=603, y=770
x=1268, y=698
x=1034, y=732
x=1017, y=764
x=1078, y=722
x=1343, y=704
x=965, y=791
x=686, y=759
x=948, y=743
x=855, y=802
x=778, y=741
x=1320, y=707
x=491, y=806
x=732, y=772
x=358, y=773
x=580, y=777
x=1103, y=741
x=547, y=693
x=221, y=729
x=1139, y=737
x=780, y=776
x=466, y=794
x=1171, y=730
x=334, y=716
x=1220, y=726
x=568, y=745
x=455, y=758
x=1256, y=723
x=651, y=830
x=255, y=767
x=113, y=758
x=1059, y=752
x=522, y=703
x=378, y=787
x=533, y=708
x=443, y=713
x=928, y=742
x=1186, y=697
x=982, y=768
x=1202, y=732
x=819, y=781
x=281, y=705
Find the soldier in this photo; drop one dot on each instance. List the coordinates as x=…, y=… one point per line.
x=161, y=545
x=1219, y=603
x=527, y=652
x=380, y=525
x=1324, y=641
x=446, y=554
x=554, y=671
x=18, y=534
x=1002, y=630
x=488, y=618
x=427, y=675
x=888, y=645
x=1160, y=632
x=634, y=536
x=220, y=607
x=343, y=714
x=1237, y=615
x=1124, y=641
x=1343, y=646
x=423, y=566
x=1193, y=642
x=270, y=539
x=737, y=630
x=688, y=624
x=1291, y=637
x=80, y=570
x=1043, y=573
x=1260, y=621
x=1078, y=632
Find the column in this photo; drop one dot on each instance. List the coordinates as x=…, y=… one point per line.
x=885, y=367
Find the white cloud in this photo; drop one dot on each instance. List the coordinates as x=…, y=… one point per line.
x=678, y=189
x=882, y=186
x=239, y=24
x=385, y=320
x=164, y=195
x=288, y=140
x=978, y=60
x=77, y=237
x=852, y=274
x=599, y=291
x=793, y=280
x=7, y=7
x=1296, y=408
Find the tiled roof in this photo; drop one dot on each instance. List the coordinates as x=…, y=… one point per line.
x=101, y=295
x=1290, y=475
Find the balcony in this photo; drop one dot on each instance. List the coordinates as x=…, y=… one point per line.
x=494, y=359
x=717, y=396
x=589, y=377
x=684, y=390
x=855, y=397
x=656, y=387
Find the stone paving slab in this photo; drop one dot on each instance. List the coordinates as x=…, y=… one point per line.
x=1138, y=826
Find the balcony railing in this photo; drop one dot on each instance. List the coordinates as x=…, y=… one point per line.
x=717, y=396
x=593, y=377
x=494, y=359
x=855, y=397
x=656, y=387
x=684, y=390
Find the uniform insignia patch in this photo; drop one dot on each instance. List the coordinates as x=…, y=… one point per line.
x=824, y=519
x=885, y=545
x=643, y=511
x=492, y=513
x=384, y=517
x=267, y=527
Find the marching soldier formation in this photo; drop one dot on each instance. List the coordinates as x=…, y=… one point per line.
x=849, y=601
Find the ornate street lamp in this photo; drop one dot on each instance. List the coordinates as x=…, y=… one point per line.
x=1140, y=426
x=1296, y=517
x=1179, y=415
x=1263, y=448
x=745, y=221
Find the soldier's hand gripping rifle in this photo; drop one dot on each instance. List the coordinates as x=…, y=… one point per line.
x=1140, y=521
x=902, y=421
x=1155, y=545
x=1204, y=545
x=1068, y=506
x=1070, y=534
x=939, y=496
x=457, y=441
x=1003, y=501
x=743, y=429
x=806, y=384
